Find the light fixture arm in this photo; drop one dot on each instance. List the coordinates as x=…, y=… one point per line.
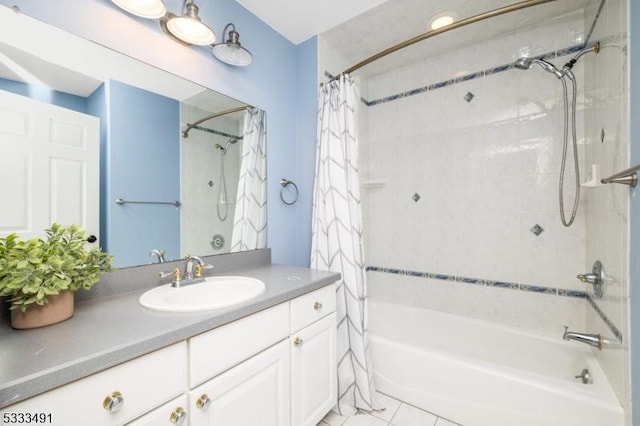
x=233, y=34
x=230, y=50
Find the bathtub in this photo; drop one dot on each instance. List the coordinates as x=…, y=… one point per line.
x=479, y=373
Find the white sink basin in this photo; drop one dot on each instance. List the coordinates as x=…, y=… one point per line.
x=213, y=293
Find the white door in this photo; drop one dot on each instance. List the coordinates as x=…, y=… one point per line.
x=49, y=167
x=313, y=372
x=254, y=393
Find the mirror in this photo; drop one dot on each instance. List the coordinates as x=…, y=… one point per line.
x=160, y=188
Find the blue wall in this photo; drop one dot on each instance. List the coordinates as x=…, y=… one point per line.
x=143, y=145
x=45, y=94
x=634, y=214
x=271, y=82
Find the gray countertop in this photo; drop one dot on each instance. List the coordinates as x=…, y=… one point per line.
x=110, y=330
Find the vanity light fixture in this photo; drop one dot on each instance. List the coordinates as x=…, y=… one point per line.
x=151, y=9
x=188, y=27
x=231, y=51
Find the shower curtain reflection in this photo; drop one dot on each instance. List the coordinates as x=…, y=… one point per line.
x=250, y=219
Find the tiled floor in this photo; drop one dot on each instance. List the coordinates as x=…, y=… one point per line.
x=397, y=413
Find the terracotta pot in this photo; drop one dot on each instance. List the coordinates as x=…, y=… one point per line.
x=58, y=308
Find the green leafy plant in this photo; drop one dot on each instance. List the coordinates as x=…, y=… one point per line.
x=31, y=270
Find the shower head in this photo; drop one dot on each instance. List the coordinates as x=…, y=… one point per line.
x=525, y=64
x=224, y=148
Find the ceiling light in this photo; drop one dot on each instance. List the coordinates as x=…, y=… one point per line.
x=189, y=28
x=231, y=52
x=151, y=9
x=441, y=21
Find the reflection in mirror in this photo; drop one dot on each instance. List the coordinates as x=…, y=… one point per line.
x=201, y=194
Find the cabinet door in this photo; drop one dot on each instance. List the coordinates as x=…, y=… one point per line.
x=254, y=393
x=313, y=372
x=173, y=413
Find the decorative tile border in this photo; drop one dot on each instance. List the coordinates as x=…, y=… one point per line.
x=481, y=281
x=595, y=21
x=217, y=132
x=606, y=319
x=505, y=285
x=471, y=76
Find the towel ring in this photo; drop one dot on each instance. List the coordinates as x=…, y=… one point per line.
x=284, y=183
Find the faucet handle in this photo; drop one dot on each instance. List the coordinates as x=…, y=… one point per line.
x=198, y=271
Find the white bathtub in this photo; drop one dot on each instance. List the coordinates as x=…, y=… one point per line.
x=479, y=373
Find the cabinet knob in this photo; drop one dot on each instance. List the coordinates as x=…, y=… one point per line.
x=113, y=402
x=317, y=306
x=178, y=416
x=297, y=341
x=203, y=402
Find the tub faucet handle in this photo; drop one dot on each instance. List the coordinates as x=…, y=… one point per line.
x=587, y=278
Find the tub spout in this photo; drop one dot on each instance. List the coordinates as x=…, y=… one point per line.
x=594, y=340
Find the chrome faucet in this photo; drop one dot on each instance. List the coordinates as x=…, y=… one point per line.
x=190, y=270
x=159, y=254
x=193, y=272
x=594, y=340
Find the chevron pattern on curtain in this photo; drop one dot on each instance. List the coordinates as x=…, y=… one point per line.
x=250, y=217
x=337, y=238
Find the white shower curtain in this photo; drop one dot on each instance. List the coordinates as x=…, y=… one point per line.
x=250, y=217
x=337, y=238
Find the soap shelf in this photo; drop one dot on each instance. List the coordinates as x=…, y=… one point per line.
x=374, y=183
x=593, y=178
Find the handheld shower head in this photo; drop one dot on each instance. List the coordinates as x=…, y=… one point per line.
x=224, y=148
x=525, y=64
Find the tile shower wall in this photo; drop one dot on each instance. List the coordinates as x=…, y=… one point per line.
x=606, y=207
x=200, y=181
x=462, y=181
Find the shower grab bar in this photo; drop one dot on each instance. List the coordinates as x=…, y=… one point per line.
x=626, y=177
x=120, y=202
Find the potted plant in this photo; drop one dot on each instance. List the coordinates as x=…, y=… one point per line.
x=40, y=276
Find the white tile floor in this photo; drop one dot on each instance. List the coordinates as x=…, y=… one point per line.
x=397, y=413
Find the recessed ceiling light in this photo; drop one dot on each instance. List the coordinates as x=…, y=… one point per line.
x=442, y=20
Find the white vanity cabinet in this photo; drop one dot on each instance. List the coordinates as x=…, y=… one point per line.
x=116, y=395
x=293, y=382
x=313, y=356
x=254, y=393
x=276, y=367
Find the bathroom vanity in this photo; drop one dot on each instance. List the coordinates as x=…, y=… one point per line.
x=268, y=361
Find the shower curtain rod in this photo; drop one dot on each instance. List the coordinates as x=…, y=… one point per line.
x=185, y=133
x=461, y=23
